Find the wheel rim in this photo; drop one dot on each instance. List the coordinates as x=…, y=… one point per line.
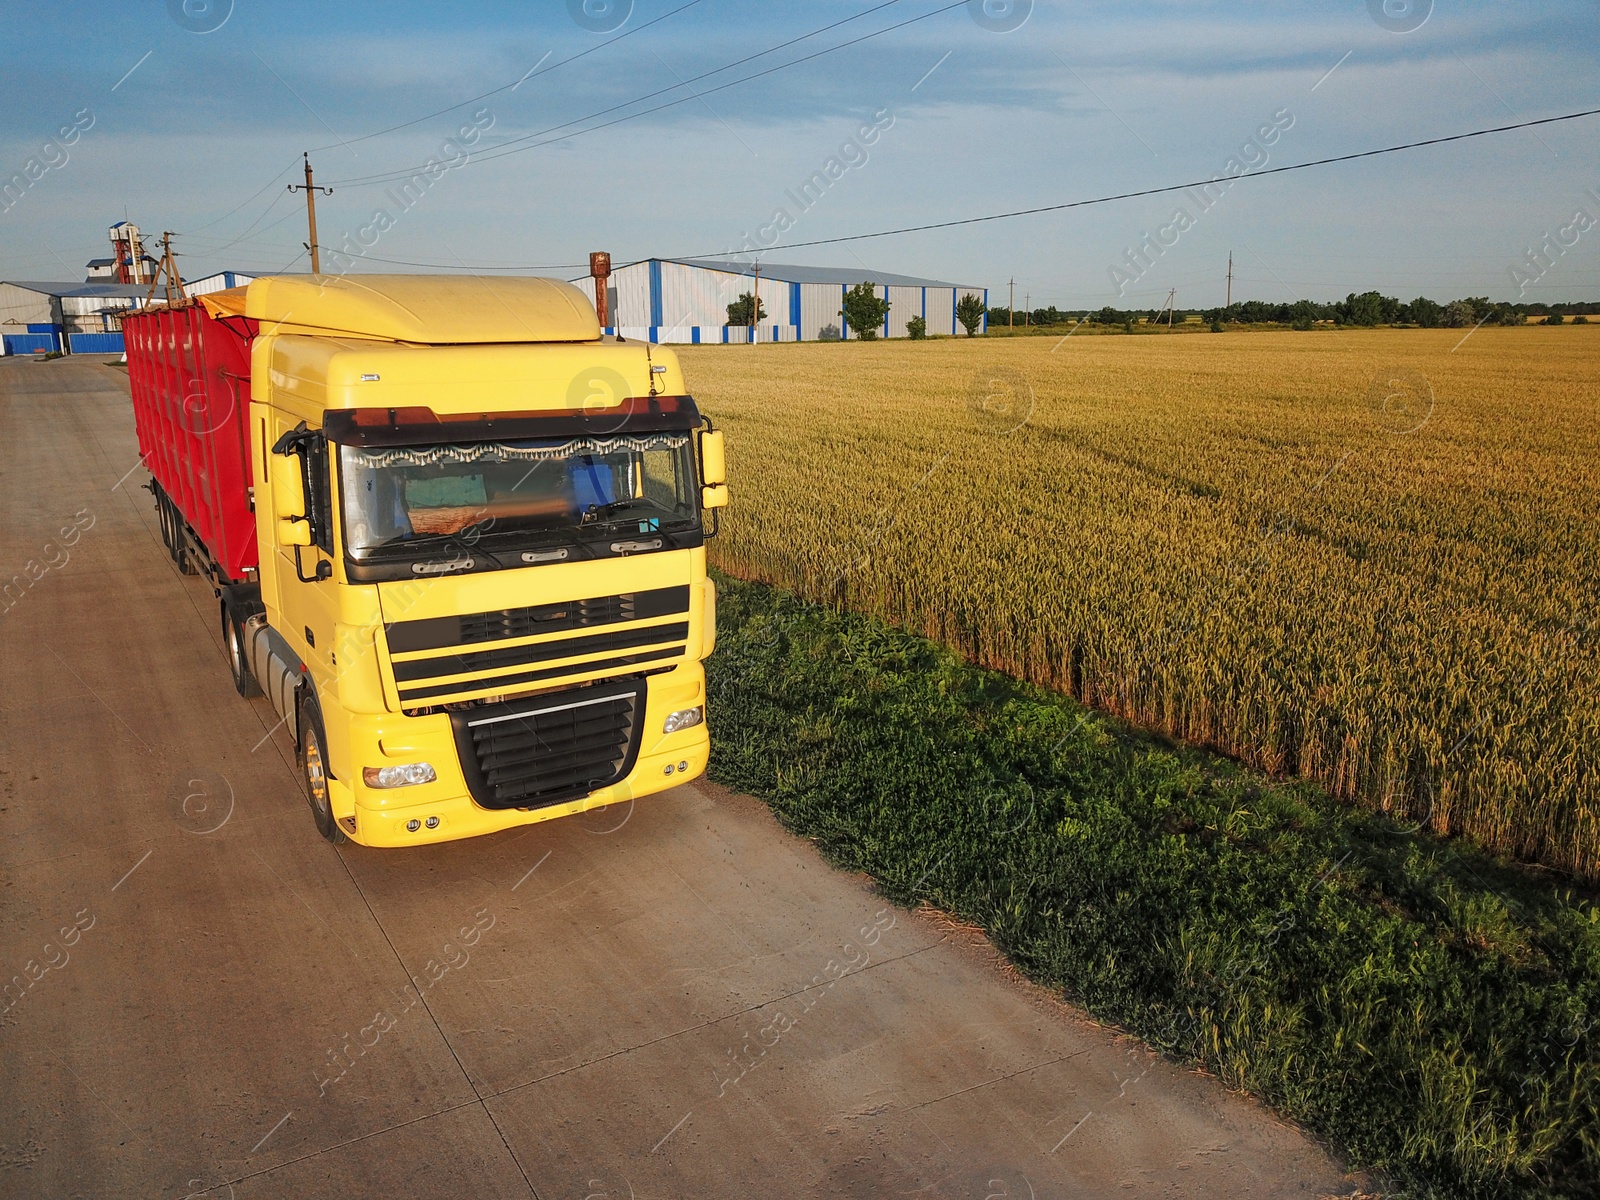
x=235, y=651
x=316, y=775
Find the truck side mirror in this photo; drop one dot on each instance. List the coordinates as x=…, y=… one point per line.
x=294, y=532
x=713, y=469
x=289, y=500
x=713, y=458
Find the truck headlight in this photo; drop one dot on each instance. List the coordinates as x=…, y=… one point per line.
x=405, y=775
x=684, y=718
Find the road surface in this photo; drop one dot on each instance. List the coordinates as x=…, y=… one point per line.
x=675, y=1000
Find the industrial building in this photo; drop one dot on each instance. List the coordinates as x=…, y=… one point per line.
x=675, y=300
x=218, y=281
x=39, y=317
x=128, y=262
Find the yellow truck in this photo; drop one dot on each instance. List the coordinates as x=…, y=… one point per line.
x=455, y=534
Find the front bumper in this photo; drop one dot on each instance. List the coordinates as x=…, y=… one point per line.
x=379, y=817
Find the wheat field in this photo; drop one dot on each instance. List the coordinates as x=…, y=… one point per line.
x=1368, y=558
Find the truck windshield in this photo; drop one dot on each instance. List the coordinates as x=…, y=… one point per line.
x=523, y=490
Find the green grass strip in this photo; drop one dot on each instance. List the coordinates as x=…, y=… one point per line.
x=1426, y=1008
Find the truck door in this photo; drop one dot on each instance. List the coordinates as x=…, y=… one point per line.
x=307, y=598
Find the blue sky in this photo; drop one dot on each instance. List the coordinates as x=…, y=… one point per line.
x=1079, y=101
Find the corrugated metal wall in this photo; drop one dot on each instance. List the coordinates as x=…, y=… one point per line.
x=96, y=343
x=819, y=307
x=980, y=294
x=633, y=297
x=904, y=303
x=20, y=307
x=694, y=296
x=220, y=282
x=941, y=310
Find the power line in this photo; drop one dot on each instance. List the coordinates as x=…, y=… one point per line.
x=249, y=242
x=406, y=124
x=248, y=228
x=506, y=148
x=1174, y=187
x=231, y=211
x=534, y=74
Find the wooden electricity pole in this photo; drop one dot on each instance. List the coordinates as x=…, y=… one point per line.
x=1011, y=305
x=166, y=271
x=1027, y=307
x=1230, y=279
x=311, y=190
x=1172, y=302
x=755, y=307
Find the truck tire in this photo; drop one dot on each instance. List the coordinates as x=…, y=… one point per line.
x=238, y=662
x=172, y=534
x=313, y=755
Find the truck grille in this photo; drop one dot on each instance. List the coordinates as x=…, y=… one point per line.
x=451, y=659
x=546, y=751
x=439, y=633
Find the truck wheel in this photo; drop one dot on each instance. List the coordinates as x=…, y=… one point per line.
x=238, y=662
x=163, y=521
x=314, y=771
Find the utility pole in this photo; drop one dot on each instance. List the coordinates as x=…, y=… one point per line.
x=168, y=269
x=1011, y=305
x=1172, y=300
x=755, y=307
x=311, y=190
x=1027, y=307
x=1230, y=279
x=167, y=263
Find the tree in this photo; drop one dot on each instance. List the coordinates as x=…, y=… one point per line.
x=1458, y=314
x=1369, y=308
x=864, y=311
x=1302, y=315
x=916, y=329
x=970, y=312
x=1426, y=313
x=739, y=310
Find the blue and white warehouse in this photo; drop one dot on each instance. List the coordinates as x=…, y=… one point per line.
x=672, y=300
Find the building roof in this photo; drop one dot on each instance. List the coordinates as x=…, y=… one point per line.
x=105, y=291
x=848, y=276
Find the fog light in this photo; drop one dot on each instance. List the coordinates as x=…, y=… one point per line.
x=432, y=822
x=405, y=775
x=684, y=765
x=413, y=825
x=684, y=719
x=667, y=770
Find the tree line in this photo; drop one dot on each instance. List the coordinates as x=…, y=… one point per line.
x=1356, y=309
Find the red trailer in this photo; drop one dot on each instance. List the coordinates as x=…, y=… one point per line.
x=189, y=370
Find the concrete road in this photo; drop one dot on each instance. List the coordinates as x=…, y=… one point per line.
x=678, y=1000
